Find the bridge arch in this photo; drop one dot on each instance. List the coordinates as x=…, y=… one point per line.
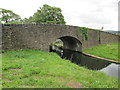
x=69, y=43
x=40, y=36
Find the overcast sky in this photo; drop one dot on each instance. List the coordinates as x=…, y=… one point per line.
x=85, y=13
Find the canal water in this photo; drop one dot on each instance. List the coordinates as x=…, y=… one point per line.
x=92, y=63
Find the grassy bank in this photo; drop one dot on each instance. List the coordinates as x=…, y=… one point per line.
x=109, y=51
x=38, y=69
x=0, y=71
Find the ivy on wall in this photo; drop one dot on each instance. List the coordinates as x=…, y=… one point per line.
x=84, y=32
x=78, y=32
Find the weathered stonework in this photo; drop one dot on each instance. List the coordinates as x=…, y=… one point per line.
x=40, y=36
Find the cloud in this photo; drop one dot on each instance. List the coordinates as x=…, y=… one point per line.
x=119, y=16
x=104, y=13
x=95, y=19
x=93, y=13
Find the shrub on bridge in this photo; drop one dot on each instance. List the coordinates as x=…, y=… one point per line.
x=84, y=33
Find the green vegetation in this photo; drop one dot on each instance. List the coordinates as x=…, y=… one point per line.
x=84, y=32
x=47, y=14
x=39, y=69
x=109, y=51
x=9, y=17
x=44, y=15
x=57, y=43
x=0, y=71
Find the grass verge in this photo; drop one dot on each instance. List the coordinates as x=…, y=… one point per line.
x=39, y=69
x=109, y=51
x=0, y=71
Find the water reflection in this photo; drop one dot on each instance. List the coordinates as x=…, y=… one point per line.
x=112, y=70
x=85, y=60
x=92, y=63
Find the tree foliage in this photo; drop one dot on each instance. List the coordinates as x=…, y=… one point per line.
x=8, y=16
x=47, y=14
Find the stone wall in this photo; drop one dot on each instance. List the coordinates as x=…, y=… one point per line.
x=96, y=37
x=40, y=36
x=106, y=37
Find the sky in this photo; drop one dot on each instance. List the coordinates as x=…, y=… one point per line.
x=84, y=13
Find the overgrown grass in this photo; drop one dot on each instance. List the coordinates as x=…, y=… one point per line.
x=39, y=69
x=109, y=51
x=0, y=71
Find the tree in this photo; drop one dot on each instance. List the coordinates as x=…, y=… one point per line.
x=8, y=16
x=28, y=20
x=48, y=14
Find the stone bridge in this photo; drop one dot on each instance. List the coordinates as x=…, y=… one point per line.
x=40, y=36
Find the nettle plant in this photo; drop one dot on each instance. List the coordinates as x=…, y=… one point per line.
x=84, y=32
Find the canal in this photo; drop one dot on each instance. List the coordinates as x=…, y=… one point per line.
x=90, y=62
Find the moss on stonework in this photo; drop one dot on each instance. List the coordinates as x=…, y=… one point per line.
x=84, y=33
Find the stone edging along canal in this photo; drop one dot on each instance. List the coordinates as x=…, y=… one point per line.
x=113, y=61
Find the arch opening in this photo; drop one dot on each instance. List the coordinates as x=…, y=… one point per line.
x=66, y=42
x=70, y=48
x=63, y=44
x=71, y=43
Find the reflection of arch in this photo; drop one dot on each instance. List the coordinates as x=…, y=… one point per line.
x=72, y=50
x=71, y=43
